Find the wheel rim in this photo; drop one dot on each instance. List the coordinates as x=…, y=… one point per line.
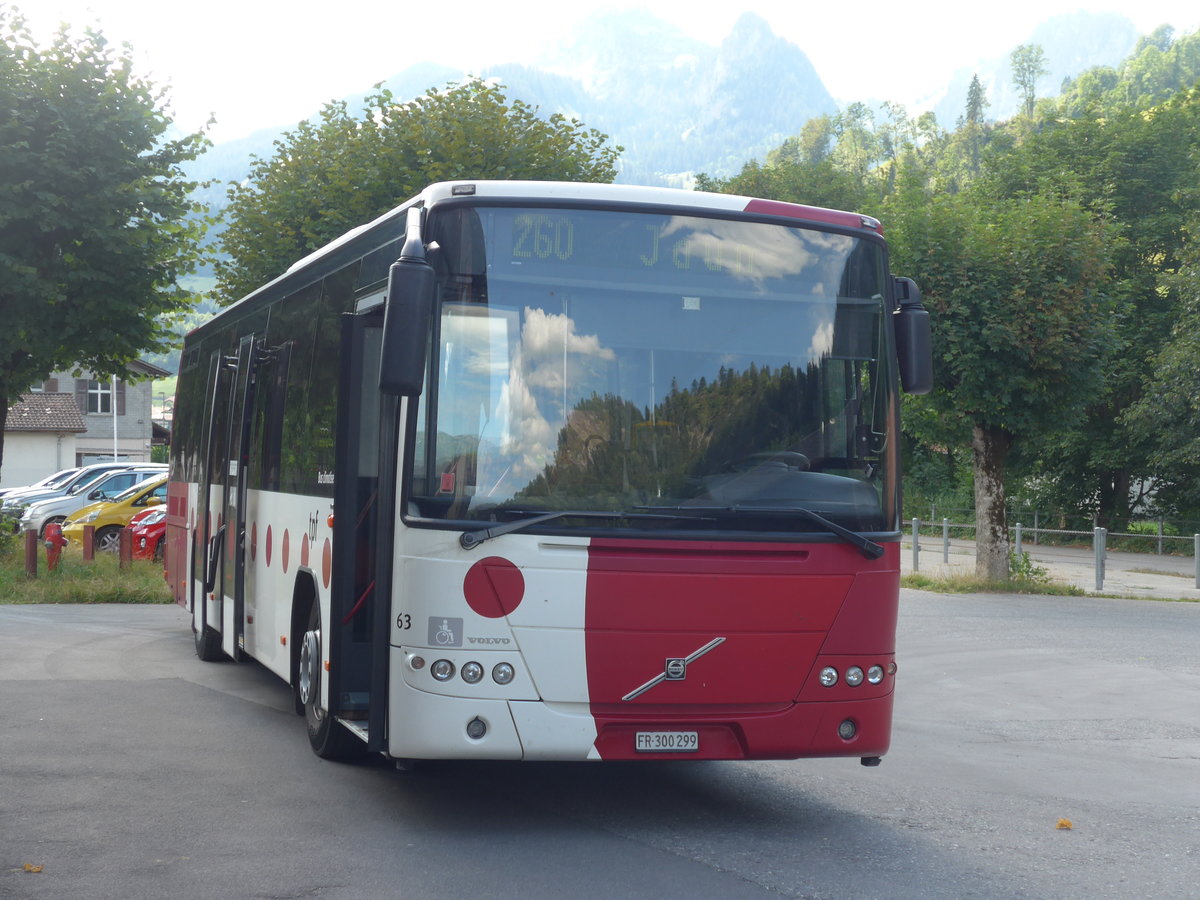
x=108, y=540
x=310, y=661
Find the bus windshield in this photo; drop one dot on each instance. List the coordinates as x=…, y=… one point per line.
x=676, y=371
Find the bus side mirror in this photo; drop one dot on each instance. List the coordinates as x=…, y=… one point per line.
x=411, y=295
x=914, y=346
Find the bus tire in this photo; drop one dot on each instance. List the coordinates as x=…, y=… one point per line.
x=329, y=740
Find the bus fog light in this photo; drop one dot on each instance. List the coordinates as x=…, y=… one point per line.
x=875, y=674
x=891, y=668
x=847, y=730
x=472, y=672
x=503, y=673
x=854, y=676
x=829, y=676
x=417, y=662
x=442, y=670
x=476, y=728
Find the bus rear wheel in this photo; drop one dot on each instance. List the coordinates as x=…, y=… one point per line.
x=328, y=738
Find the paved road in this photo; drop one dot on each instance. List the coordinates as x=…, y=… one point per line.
x=129, y=769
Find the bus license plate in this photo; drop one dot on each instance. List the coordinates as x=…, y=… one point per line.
x=667, y=742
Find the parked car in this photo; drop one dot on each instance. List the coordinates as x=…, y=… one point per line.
x=48, y=481
x=147, y=530
x=109, y=517
x=16, y=502
x=56, y=509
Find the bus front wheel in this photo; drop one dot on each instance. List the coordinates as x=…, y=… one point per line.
x=329, y=739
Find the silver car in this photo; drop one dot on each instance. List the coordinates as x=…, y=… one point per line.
x=50, y=481
x=16, y=501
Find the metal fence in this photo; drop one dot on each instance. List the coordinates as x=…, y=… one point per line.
x=1152, y=535
x=1099, y=538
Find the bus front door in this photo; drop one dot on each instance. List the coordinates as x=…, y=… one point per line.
x=363, y=503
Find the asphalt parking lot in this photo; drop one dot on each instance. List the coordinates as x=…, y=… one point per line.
x=129, y=769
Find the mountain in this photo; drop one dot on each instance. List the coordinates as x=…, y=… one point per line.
x=679, y=106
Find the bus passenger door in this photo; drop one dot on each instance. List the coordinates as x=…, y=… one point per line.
x=233, y=568
x=359, y=619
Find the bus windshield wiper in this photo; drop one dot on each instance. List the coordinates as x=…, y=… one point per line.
x=470, y=539
x=867, y=547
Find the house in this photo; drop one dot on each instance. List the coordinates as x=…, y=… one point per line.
x=39, y=437
x=71, y=420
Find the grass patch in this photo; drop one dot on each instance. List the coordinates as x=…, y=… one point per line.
x=968, y=584
x=76, y=581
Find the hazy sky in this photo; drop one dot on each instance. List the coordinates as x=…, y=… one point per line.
x=260, y=63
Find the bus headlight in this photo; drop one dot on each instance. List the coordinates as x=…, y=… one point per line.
x=503, y=673
x=442, y=670
x=829, y=676
x=472, y=672
x=875, y=674
x=854, y=676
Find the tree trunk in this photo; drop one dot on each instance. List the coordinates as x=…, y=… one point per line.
x=990, y=447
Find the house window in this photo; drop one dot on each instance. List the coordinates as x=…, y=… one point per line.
x=99, y=397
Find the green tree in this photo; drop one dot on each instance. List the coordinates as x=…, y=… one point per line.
x=1167, y=416
x=977, y=102
x=1161, y=65
x=94, y=209
x=329, y=175
x=962, y=163
x=1138, y=169
x=1021, y=325
x=1028, y=66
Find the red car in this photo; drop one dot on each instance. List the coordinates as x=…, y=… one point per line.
x=147, y=529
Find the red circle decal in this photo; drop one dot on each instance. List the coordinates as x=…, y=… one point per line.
x=304, y=550
x=326, y=562
x=268, y=547
x=283, y=553
x=494, y=587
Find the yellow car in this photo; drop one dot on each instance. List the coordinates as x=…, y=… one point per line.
x=108, y=517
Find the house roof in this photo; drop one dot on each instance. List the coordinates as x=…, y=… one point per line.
x=141, y=367
x=55, y=412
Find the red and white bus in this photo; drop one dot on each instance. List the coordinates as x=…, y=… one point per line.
x=553, y=471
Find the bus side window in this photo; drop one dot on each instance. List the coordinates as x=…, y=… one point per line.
x=268, y=416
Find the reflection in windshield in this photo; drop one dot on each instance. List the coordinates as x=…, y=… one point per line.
x=604, y=361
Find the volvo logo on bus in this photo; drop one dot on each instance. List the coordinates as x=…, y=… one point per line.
x=675, y=669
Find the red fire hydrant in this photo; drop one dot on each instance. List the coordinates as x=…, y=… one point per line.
x=54, y=545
